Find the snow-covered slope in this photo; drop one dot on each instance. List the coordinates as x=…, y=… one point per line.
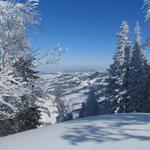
x=75, y=87
x=110, y=132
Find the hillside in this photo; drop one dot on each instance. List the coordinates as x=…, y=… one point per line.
x=110, y=132
x=75, y=87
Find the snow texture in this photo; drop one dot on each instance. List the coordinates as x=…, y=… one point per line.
x=109, y=132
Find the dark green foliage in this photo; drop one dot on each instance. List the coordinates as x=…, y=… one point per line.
x=24, y=120
x=127, y=76
x=90, y=107
x=25, y=69
x=136, y=83
x=117, y=88
x=146, y=106
x=28, y=115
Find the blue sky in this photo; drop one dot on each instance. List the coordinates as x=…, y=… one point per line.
x=87, y=27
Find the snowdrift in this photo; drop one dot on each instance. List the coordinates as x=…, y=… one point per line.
x=110, y=132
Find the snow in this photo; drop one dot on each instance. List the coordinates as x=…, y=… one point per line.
x=109, y=132
x=75, y=89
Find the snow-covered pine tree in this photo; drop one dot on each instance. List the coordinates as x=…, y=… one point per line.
x=16, y=94
x=90, y=107
x=146, y=8
x=117, y=90
x=146, y=45
x=17, y=88
x=147, y=89
x=25, y=70
x=12, y=89
x=136, y=83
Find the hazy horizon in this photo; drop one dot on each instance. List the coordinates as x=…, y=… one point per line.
x=64, y=68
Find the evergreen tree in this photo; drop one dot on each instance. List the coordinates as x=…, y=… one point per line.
x=62, y=107
x=82, y=110
x=90, y=107
x=117, y=91
x=25, y=68
x=147, y=89
x=29, y=116
x=136, y=85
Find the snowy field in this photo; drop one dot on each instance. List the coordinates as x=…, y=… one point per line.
x=110, y=132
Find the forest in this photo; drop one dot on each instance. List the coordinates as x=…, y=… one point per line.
x=30, y=99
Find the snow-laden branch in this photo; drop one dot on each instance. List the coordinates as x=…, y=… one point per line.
x=12, y=88
x=146, y=8
x=49, y=57
x=15, y=20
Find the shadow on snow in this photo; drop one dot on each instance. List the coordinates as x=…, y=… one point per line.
x=108, y=128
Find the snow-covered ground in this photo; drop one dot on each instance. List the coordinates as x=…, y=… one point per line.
x=109, y=132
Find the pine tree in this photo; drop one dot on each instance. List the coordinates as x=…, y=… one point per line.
x=62, y=107
x=117, y=91
x=147, y=88
x=90, y=107
x=25, y=68
x=82, y=110
x=136, y=87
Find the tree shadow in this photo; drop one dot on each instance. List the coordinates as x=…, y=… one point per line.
x=108, y=128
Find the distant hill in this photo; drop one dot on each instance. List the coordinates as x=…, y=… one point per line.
x=75, y=87
x=58, y=68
